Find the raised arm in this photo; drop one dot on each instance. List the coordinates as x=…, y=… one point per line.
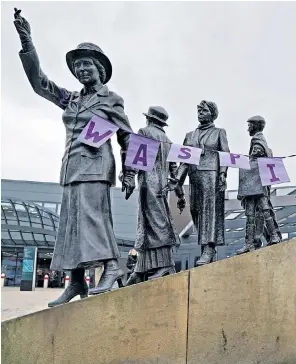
x=38, y=80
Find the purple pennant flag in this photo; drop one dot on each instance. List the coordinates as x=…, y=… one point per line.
x=185, y=154
x=141, y=152
x=97, y=132
x=234, y=160
x=272, y=171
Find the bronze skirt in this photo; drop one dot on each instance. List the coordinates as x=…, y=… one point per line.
x=85, y=235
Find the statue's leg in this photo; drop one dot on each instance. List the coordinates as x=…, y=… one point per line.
x=208, y=251
x=208, y=254
x=112, y=273
x=77, y=286
x=270, y=222
x=250, y=208
x=259, y=222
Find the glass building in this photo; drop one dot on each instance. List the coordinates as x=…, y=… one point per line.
x=26, y=224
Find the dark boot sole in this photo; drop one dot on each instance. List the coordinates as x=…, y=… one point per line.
x=95, y=292
x=83, y=295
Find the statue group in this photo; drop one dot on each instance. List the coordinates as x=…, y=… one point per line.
x=85, y=237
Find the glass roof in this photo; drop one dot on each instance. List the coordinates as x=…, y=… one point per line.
x=26, y=223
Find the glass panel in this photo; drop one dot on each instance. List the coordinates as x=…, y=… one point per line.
x=36, y=222
x=12, y=220
x=33, y=211
x=39, y=237
x=39, y=203
x=8, y=209
x=28, y=237
x=51, y=206
x=25, y=223
x=15, y=235
x=4, y=234
x=47, y=223
x=9, y=262
x=50, y=238
x=59, y=209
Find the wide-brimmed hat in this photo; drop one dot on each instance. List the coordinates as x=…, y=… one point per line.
x=158, y=113
x=90, y=50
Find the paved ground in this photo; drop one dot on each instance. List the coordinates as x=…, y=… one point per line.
x=15, y=303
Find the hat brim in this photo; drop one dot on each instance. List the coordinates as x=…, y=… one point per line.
x=156, y=118
x=104, y=60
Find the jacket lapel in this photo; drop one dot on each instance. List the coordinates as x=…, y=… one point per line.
x=94, y=100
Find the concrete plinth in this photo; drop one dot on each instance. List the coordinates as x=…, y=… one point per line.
x=238, y=311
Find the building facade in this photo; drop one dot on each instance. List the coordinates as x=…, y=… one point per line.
x=30, y=216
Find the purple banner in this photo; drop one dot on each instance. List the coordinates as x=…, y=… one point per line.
x=234, y=160
x=141, y=153
x=272, y=171
x=97, y=132
x=184, y=153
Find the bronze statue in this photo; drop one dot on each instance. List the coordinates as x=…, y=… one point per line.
x=207, y=181
x=156, y=235
x=85, y=235
x=261, y=219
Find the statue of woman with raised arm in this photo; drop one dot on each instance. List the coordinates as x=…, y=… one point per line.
x=85, y=235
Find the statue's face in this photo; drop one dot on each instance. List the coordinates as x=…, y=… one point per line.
x=252, y=129
x=204, y=113
x=86, y=71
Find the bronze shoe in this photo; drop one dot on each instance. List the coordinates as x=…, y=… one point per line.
x=77, y=286
x=161, y=272
x=70, y=292
x=135, y=278
x=250, y=247
x=111, y=274
x=207, y=256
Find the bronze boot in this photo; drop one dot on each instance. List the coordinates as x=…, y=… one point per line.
x=249, y=245
x=111, y=274
x=77, y=286
x=161, y=272
x=207, y=256
x=135, y=278
x=272, y=231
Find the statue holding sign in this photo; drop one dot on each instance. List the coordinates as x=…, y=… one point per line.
x=85, y=235
x=156, y=235
x=207, y=181
x=255, y=197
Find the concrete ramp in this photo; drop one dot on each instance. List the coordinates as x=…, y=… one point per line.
x=237, y=311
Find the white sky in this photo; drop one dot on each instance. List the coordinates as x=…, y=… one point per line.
x=241, y=55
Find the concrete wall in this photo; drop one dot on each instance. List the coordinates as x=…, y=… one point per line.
x=238, y=311
x=242, y=310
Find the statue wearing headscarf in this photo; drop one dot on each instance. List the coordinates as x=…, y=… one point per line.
x=207, y=181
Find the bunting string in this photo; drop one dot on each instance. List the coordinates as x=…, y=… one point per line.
x=142, y=151
x=165, y=142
